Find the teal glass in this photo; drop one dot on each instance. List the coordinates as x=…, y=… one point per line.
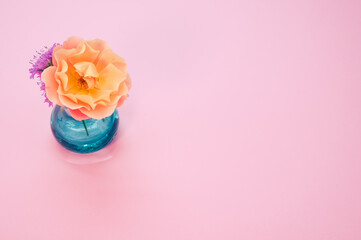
x=82, y=136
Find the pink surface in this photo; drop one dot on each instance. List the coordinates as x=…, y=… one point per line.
x=244, y=122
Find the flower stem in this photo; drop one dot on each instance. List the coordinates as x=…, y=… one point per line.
x=86, y=130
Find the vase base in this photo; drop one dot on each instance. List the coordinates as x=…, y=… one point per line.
x=85, y=148
x=104, y=154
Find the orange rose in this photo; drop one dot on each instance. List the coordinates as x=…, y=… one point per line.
x=87, y=77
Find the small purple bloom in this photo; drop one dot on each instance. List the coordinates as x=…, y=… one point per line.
x=40, y=61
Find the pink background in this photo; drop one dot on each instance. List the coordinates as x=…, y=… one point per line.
x=244, y=122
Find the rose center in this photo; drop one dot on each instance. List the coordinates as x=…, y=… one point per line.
x=87, y=83
x=83, y=84
x=87, y=75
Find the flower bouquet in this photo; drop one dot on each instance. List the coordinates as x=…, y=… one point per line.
x=86, y=81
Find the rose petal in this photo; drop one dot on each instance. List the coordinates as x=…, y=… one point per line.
x=65, y=75
x=98, y=44
x=88, y=100
x=84, y=54
x=115, y=96
x=56, y=48
x=121, y=100
x=51, y=85
x=110, y=78
x=109, y=57
x=128, y=81
x=100, y=111
x=78, y=115
x=72, y=42
x=100, y=95
x=66, y=100
x=86, y=69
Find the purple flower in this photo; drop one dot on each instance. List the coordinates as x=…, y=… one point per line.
x=40, y=61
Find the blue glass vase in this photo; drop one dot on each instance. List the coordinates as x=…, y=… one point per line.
x=82, y=136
